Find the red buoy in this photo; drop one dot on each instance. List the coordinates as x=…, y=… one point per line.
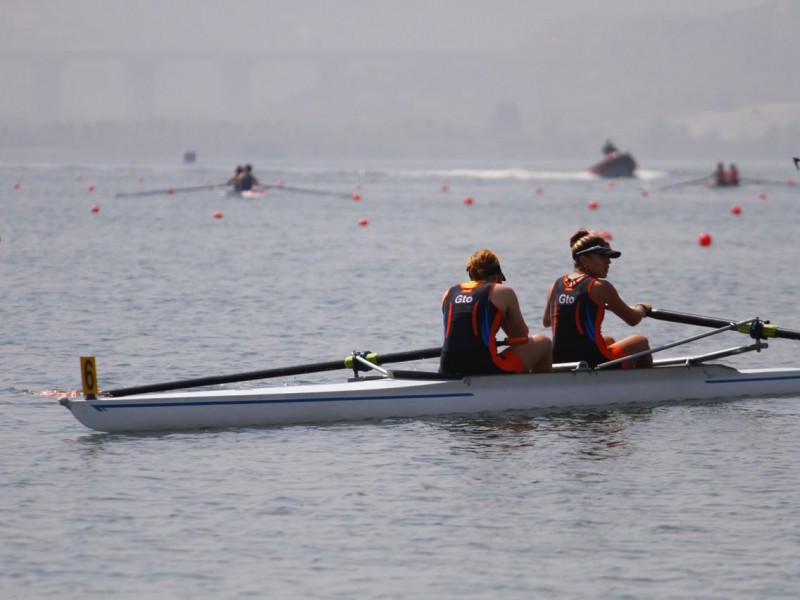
x=362, y=222
x=16, y=186
x=218, y=215
x=606, y=235
x=539, y=191
x=95, y=209
x=468, y=201
x=593, y=205
x=791, y=182
x=170, y=190
x=736, y=209
x=612, y=184
x=762, y=196
x=704, y=239
x=356, y=197
x=90, y=188
x=645, y=193
x=445, y=187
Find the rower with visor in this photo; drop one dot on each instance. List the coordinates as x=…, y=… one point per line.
x=577, y=303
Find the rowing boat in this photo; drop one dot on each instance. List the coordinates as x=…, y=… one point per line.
x=254, y=193
x=383, y=393
x=412, y=394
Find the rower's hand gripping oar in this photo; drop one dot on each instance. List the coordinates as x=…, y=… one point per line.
x=756, y=328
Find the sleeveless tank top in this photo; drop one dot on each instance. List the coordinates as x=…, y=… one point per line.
x=471, y=322
x=576, y=321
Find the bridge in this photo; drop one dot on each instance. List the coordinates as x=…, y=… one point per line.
x=234, y=67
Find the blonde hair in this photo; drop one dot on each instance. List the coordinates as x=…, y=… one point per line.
x=583, y=238
x=481, y=263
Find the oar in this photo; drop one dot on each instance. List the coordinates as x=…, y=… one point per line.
x=765, y=181
x=674, y=185
x=333, y=365
x=306, y=190
x=677, y=317
x=194, y=188
x=694, y=338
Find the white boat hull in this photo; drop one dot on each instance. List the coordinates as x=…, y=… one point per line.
x=258, y=193
x=380, y=398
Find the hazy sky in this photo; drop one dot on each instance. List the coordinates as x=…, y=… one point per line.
x=720, y=67
x=324, y=24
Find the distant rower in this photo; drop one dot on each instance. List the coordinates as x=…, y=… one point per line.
x=247, y=180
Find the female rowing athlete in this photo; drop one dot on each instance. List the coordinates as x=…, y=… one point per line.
x=577, y=303
x=473, y=314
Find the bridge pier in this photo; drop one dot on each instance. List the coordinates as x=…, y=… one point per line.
x=236, y=89
x=141, y=83
x=46, y=90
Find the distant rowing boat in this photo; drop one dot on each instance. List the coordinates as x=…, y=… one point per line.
x=256, y=193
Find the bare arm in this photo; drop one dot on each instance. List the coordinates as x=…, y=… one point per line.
x=546, y=317
x=505, y=299
x=603, y=292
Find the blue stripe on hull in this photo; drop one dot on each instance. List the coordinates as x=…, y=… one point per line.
x=104, y=407
x=751, y=379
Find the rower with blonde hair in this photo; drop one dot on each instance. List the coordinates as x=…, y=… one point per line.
x=475, y=311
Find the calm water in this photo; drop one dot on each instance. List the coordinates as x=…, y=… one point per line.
x=668, y=502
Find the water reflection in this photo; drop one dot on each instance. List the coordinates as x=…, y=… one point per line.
x=588, y=435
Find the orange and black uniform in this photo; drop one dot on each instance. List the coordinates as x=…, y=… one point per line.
x=471, y=322
x=576, y=321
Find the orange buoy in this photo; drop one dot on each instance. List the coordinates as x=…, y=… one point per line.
x=218, y=215
x=468, y=201
x=736, y=209
x=704, y=239
x=362, y=222
x=95, y=209
x=762, y=196
x=356, y=197
x=593, y=205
